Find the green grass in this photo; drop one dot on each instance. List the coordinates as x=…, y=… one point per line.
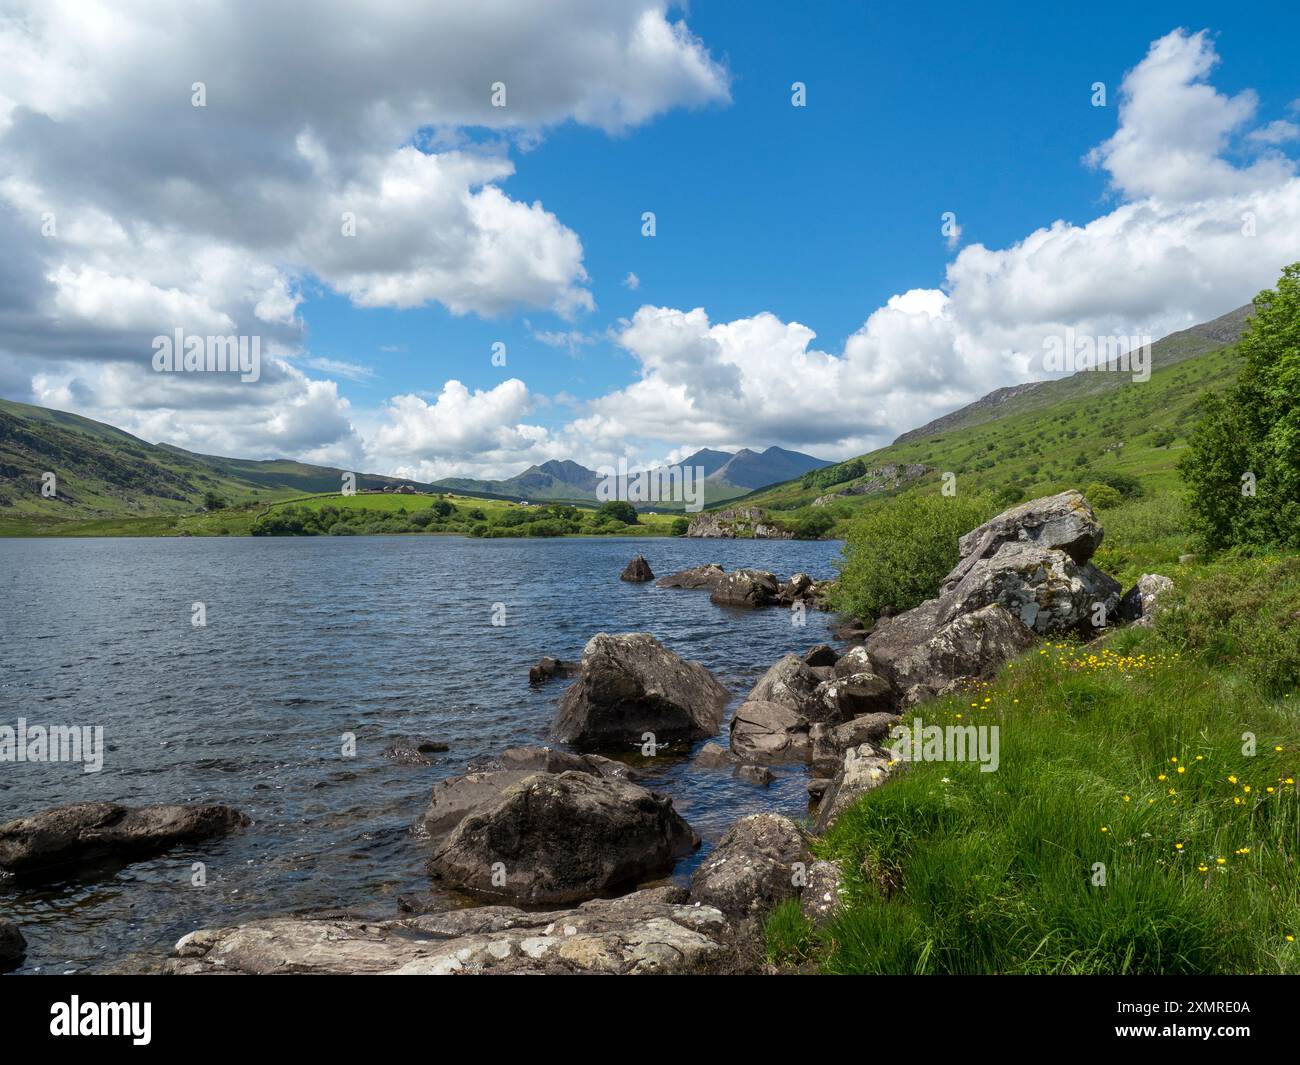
x=951, y=870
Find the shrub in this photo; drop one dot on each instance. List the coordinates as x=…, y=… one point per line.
x=1250, y=436
x=618, y=509
x=679, y=526
x=1102, y=496
x=895, y=555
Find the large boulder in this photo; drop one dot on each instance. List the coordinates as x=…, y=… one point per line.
x=1064, y=522
x=632, y=685
x=86, y=832
x=1140, y=602
x=747, y=588
x=1044, y=587
x=820, y=656
x=457, y=797
x=864, y=768
x=769, y=732
x=759, y=862
x=705, y=576
x=648, y=932
x=557, y=839
x=922, y=658
x=637, y=571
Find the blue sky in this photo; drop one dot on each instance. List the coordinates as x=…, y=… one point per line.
x=768, y=216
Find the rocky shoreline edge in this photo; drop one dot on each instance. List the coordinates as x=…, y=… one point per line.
x=567, y=851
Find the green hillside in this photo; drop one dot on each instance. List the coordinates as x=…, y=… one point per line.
x=1092, y=427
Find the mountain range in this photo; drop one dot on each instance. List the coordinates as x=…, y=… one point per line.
x=726, y=475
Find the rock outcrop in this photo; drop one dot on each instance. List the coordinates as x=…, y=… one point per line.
x=557, y=839
x=86, y=832
x=736, y=522
x=637, y=571
x=885, y=479
x=757, y=864
x=632, y=685
x=747, y=588
x=649, y=932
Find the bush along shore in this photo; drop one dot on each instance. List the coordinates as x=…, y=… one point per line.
x=1034, y=770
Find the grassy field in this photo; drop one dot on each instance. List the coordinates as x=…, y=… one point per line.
x=1144, y=817
x=241, y=520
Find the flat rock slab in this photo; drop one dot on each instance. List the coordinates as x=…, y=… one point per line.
x=86, y=832
x=651, y=931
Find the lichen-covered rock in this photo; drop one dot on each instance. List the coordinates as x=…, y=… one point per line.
x=1064, y=522
x=647, y=932
x=1141, y=601
x=823, y=895
x=87, y=832
x=632, y=685
x=1044, y=587
x=759, y=862
x=922, y=659
x=555, y=839
x=854, y=695
x=864, y=769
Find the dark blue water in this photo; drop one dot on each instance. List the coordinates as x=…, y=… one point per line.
x=308, y=639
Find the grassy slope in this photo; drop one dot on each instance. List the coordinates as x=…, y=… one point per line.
x=1097, y=423
x=1130, y=756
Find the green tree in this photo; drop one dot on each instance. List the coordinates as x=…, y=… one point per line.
x=619, y=509
x=1242, y=465
x=896, y=553
x=212, y=501
x=679, y=526
x=1102, y=496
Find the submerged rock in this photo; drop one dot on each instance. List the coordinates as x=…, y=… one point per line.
x=414, y=751
x=637, y=571
x=549, y=668
x=563, y=838
x=651, y=931
x=13, y=947
x=705, y=576
x=632, y=685
x=87, y=832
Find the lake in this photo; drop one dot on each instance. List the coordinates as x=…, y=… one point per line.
x=307, y=639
